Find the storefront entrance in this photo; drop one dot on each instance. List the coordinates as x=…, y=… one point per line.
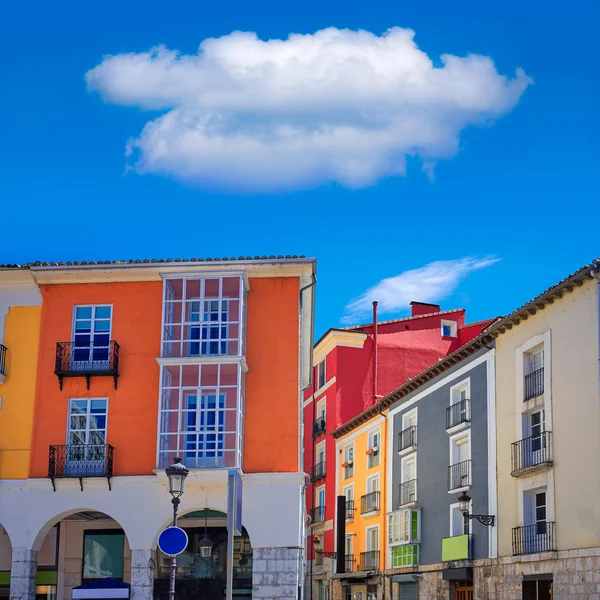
x=463, y=590
x=538, y=589
x=200, y=578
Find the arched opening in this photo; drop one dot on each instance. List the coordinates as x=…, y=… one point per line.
x=80, y=547
x=204, y=577
x=5, y=563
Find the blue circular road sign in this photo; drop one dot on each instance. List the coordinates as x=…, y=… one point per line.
x=173, y=541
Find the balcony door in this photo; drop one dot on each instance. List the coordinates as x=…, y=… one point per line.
x=91, y=337
x=536, y=517
x=86, y=441
x=534, y=430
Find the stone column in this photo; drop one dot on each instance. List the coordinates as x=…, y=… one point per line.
x=22, y=574
x=276, y=573
x=142, y=574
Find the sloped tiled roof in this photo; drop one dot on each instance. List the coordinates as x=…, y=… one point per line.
x=142, y=261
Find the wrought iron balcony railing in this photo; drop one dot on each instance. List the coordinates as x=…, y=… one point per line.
x=349, y=563
x=369, y=503
x=532, y=539
x=407, y=438
x=408, y=492
x=459, y=475
x=534, y=384
x=318, y=471
x=369, y=561
x=319, y=426
x=349, y=510
x=79, y=461
x=87, y=360
x=458, y=413
x=317, y=514
x=534, y=451
x=2, y=361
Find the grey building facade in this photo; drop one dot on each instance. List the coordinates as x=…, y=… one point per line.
x=441, y=444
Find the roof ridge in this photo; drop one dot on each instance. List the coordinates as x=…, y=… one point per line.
x=399, y=320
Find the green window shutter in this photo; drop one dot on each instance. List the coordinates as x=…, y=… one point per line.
x=405, y=556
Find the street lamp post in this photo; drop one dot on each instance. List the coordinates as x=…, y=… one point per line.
x=176, y=473
x=463, y=504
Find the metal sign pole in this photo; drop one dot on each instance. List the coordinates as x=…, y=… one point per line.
x=230, y=533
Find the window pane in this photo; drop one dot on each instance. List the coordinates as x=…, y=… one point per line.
x=101, y=326
x=98, y=406
x=102, y=312
x=83, y=312
x=103, y=555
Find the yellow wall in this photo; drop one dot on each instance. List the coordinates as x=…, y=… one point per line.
x=359, y=479
x=571, y=324
x=21, y=338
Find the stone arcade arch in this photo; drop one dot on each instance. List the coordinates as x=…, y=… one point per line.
x=199, y=577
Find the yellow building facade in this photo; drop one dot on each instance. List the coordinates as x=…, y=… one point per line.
x=361, y=477
x=20, y=315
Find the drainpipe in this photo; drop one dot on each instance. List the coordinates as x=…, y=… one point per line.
x=595, y=273
x=375, y=352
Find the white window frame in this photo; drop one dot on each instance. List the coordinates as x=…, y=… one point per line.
x=456, y=507
x=345, y=490
x=89, y=401
x=457, y=388
x=324, y=363
x=318, y=447
x=368, y=530
x=318, y=490
x=453, y=328
x=346, y=458
x=322, y=404
x=406, y=417
x=408, y=540
x=370, y=435
x=465, y=434
x=368, y=484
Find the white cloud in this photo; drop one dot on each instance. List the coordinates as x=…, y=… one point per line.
x=430, y=283
x=337, y=105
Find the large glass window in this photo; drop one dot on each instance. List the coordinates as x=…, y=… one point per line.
x=91, y=335
x=203, y=317
x=103, y=554
x=201, y=415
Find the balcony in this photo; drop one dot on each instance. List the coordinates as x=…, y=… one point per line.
x=319, y=426
x=369, y=561
x=98, y=360
x=349, y=510
x=408, y=492
x=458, y=414
x=407, y=440
x=369, y=503
x=317, y=514
x=534, y=384
x=532, y=539
x=79, y=461
x=531, y=454
x=2, y=363
x=318, y=471
x=459, y=475
x=349, y=568
x=458, y=547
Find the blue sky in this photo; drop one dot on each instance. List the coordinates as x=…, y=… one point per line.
x=522, y=187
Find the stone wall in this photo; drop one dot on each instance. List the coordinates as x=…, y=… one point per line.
x=276, y=573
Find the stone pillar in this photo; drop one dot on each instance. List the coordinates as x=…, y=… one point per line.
x=276, y=573
x=22, y=574
x=143, y=563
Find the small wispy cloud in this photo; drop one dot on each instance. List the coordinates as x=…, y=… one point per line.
x=431, y=283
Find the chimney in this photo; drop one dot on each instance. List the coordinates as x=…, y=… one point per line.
x=423, y=308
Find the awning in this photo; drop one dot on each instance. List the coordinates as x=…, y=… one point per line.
x=102, y=589
x=349, y=576
x=406, y=578
x=457, y=574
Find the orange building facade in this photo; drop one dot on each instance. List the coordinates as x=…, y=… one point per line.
x=139, y=363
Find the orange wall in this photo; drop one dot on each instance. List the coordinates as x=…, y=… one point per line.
x=133, y=406
x=272, y=416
